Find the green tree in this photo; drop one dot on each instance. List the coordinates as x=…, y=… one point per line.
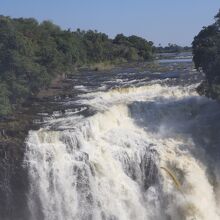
x=206, y=51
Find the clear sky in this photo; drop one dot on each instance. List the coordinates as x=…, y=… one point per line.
x=162, y=21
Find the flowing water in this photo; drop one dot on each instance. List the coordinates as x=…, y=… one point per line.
x=131, y=145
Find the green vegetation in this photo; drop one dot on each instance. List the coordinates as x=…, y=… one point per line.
x=206, y=51
x=32, y=54
x=172, y=48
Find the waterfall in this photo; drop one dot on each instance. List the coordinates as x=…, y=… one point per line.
x=109, y=165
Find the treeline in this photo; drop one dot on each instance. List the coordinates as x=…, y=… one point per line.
x=206, y=51
x=33, y=53
x=172, y=48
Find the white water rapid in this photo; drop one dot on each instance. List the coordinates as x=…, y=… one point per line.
x=138, y=157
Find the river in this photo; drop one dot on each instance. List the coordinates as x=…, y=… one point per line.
x=129, y=145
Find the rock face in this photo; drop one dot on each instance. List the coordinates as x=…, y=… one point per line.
x=13, y=184
x=13, y=175
x=209, y=90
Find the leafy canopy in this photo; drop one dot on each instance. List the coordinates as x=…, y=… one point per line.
x=32, y=54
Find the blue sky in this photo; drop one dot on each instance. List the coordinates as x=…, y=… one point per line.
x=162, y=21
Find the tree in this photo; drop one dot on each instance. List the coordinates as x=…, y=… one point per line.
x=206, y=51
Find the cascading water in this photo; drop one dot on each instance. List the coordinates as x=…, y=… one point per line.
x=142, y=155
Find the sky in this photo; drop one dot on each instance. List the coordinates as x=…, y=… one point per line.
x=161, y=21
